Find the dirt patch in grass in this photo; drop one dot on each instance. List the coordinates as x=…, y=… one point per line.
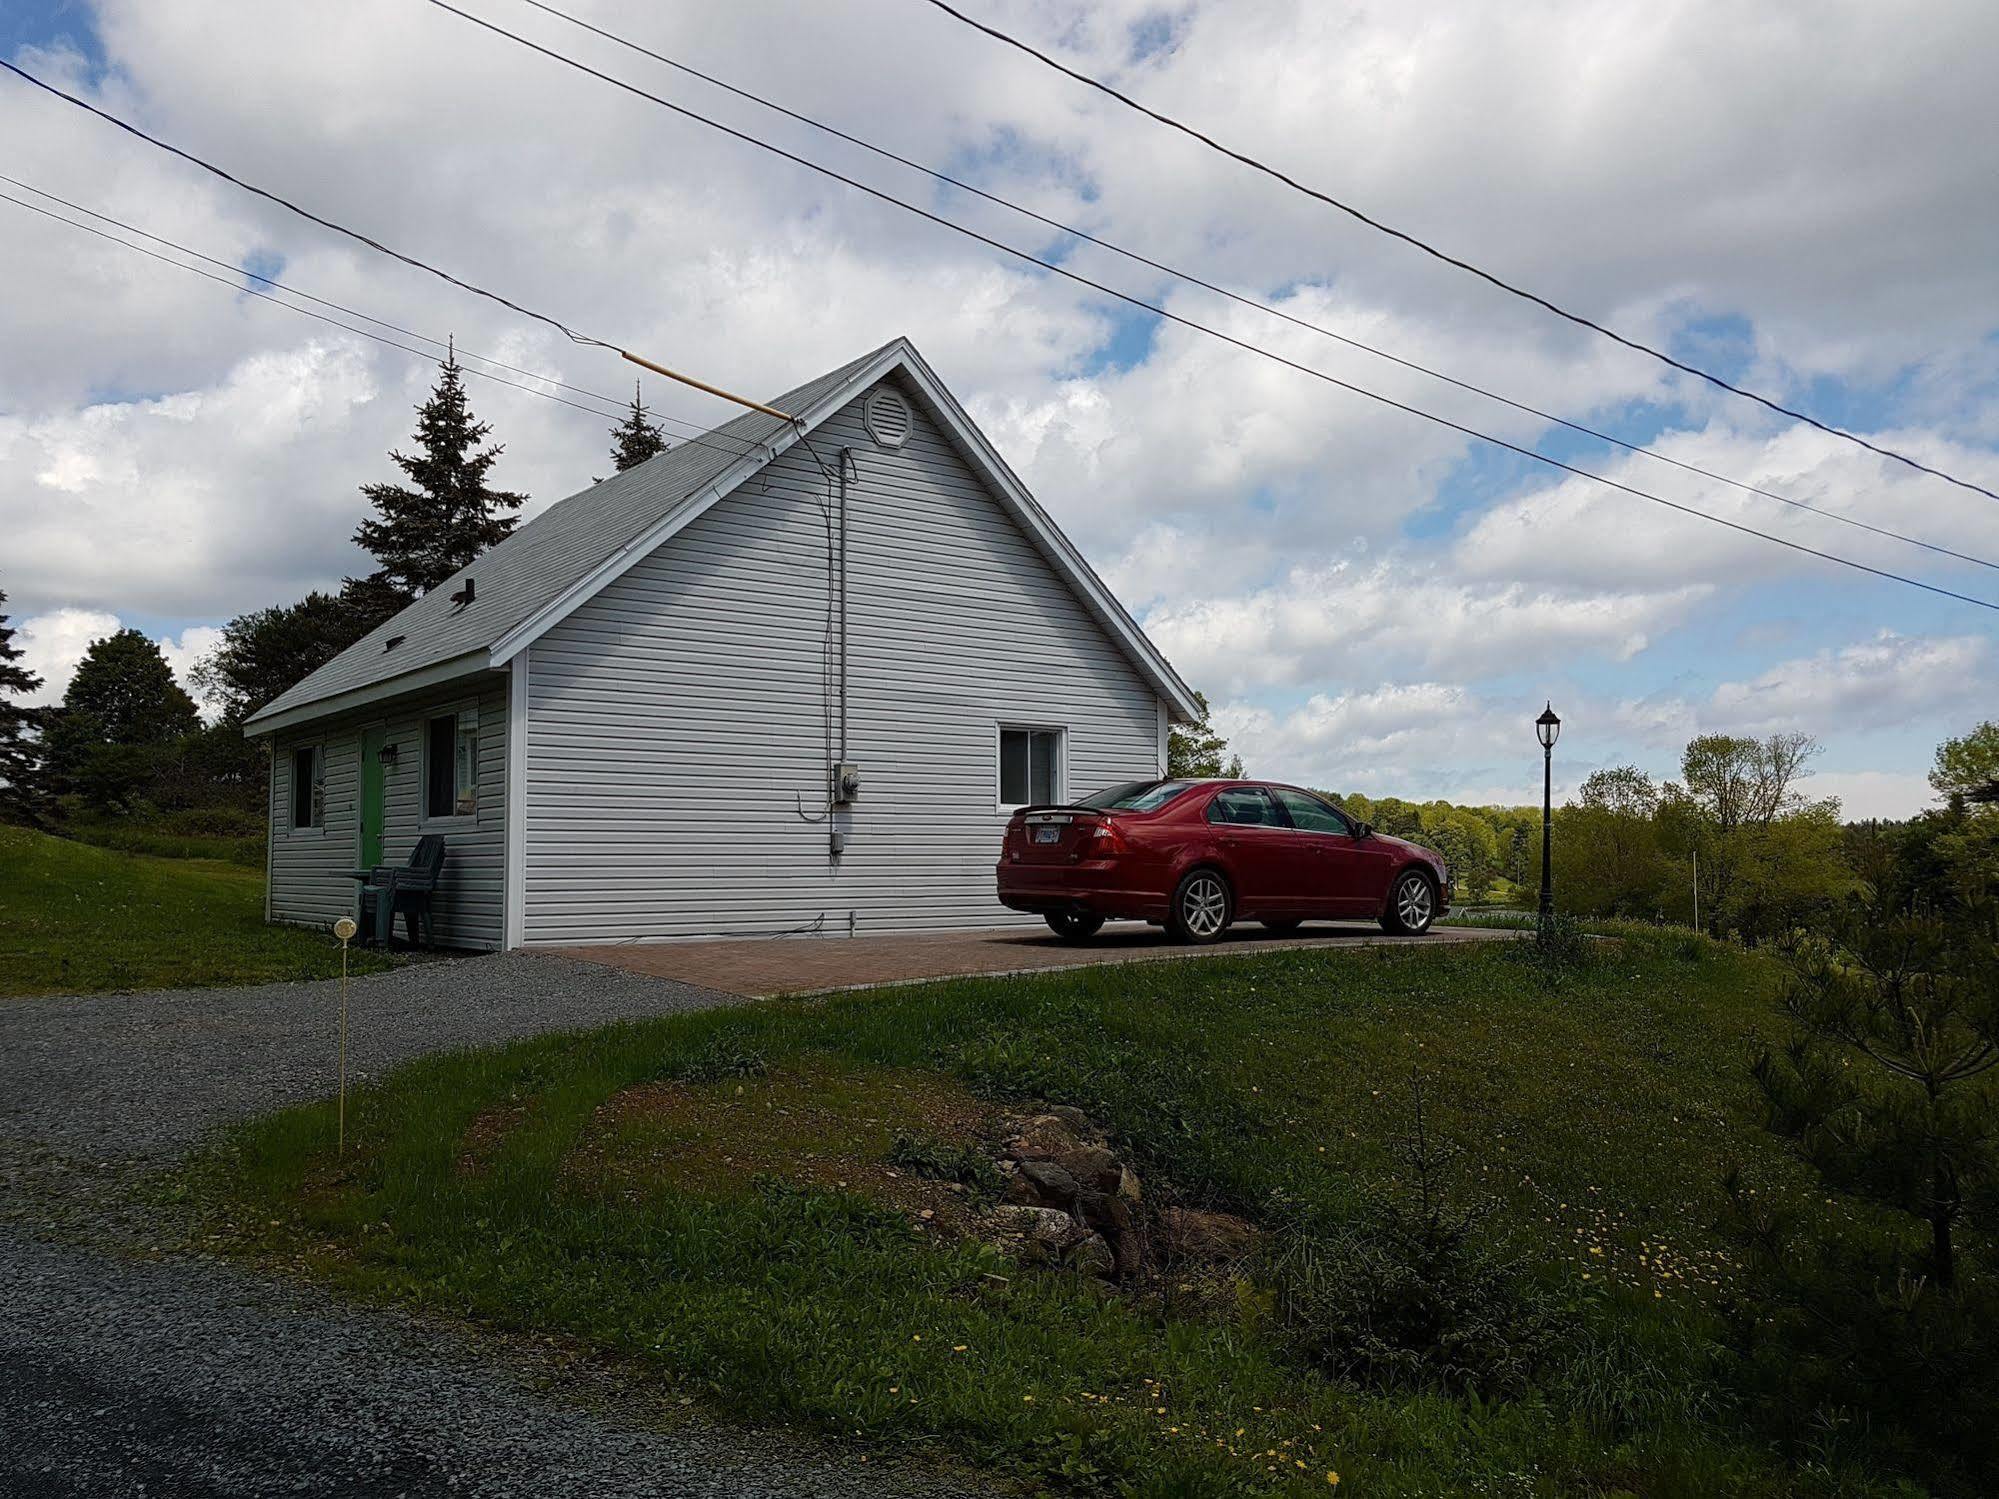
x=816, y=1123
x=480, y=1145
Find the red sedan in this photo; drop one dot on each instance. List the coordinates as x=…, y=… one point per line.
x=1195, y=856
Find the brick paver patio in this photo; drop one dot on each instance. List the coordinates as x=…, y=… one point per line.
x=758, y=967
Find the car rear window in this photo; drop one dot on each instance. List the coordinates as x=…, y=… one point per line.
x=1134, y=796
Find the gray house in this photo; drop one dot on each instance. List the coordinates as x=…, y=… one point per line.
x=785, y=677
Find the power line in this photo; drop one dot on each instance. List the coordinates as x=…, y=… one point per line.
x=1198, y=327
x=692, y=428
x=377, y=245
x=246, y=272
x=1240, y=297
x=1452, y=260
x=703, y=439
x=251, y=291
x=304, y=213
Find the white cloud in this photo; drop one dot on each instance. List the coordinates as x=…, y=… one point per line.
x=1864, y=794
x=52, y=645
x=199, y=502
x=1882, y=684
x=185, y=653
x=1415, y=739
x=1578, y=530
x=1436, y=738
x=1318, y=623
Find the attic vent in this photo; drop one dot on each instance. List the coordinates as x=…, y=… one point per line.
x=392, y=642
x=888, y=418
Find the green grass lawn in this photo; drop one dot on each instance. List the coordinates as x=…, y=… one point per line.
x=687, y=1195
x=227, y=834
x=80, y=919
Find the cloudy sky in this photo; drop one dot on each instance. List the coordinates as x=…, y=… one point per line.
x=1798, y=196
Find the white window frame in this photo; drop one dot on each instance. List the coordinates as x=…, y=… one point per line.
x=294, y=827
x=1061, y=787
x=457, y=713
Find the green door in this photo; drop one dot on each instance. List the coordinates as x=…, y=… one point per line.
x=371, y=797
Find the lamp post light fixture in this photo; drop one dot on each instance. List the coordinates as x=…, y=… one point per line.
x=344, y=929
x=1547, y=728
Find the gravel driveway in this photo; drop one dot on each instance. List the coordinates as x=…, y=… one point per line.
x=127, y=1371
x=146, y=1075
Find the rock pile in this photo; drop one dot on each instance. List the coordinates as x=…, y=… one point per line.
x=1071, y=1201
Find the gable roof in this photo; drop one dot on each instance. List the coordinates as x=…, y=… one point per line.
x=559, y=560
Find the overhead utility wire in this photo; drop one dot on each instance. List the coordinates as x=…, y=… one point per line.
x=277, y=301
x=1198, y=327
x=703, y=440
x=1244, y=299
x=377, y=245
x=245, y=271
x=616, y=402
x=1452, y=260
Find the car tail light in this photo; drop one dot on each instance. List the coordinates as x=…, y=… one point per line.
x=1106, y=840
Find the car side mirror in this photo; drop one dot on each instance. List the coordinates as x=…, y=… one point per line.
x=1363, y=830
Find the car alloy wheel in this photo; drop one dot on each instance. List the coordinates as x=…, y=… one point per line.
x=1415, y=904
x=1201, y=906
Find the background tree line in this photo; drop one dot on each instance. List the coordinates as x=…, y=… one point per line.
x=1733, y=844
x=127, y=743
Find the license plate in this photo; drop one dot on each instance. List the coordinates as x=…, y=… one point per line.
x=1048, y=834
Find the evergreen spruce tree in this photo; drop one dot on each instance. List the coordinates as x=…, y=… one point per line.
x=428, y=529
x=365, y=603
x=20, y=754
x=637, y=437
x=1883, y=1086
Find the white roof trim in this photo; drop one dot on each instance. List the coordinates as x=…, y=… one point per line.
x=434, y=675
x=898, y=356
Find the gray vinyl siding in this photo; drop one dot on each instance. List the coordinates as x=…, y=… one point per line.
x=309, y=881
x=675, y=740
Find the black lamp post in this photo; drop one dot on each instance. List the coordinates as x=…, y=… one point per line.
x=1547, y=728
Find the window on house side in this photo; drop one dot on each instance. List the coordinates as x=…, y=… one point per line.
x=309, y=786
x=451, y=765
x=1030, y=766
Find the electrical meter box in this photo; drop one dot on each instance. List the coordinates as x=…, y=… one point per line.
x=846, y=783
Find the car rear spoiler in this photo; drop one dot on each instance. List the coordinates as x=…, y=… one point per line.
x=1071, y=808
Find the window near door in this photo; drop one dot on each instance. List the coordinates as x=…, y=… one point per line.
x=1030, y=763
x=309, y=786
x=1309, y=814
x=451, y=765
x=1247, y=806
